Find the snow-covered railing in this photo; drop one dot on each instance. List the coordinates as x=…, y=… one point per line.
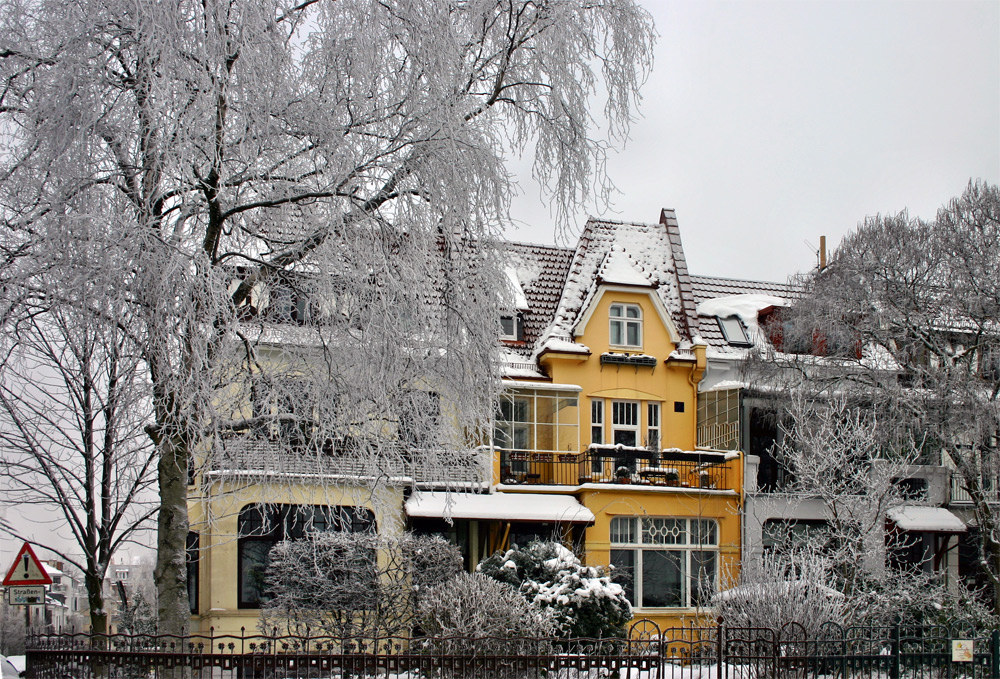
x=260, y=456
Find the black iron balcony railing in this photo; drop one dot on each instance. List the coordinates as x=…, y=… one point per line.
x=701, y=469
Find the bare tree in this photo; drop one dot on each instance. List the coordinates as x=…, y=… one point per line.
x=906, y=319
x=73, y=405
x=347, y=154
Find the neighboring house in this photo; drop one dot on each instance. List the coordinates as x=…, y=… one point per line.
x=65, y=599
x=737, y=316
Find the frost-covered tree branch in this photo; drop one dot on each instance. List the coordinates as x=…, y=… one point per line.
x=347, y=151
x=906, y=319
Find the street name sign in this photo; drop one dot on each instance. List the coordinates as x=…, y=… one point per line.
x=26, y=569
x=25, y=595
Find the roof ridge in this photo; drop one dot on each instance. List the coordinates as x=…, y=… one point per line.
x=668, y=218
x=564, y=248
x=740, y=280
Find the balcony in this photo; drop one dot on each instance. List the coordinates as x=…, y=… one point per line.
x=959, y=495
x=621, y=465
x=259, y=456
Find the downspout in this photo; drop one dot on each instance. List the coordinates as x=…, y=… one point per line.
x=694, y=377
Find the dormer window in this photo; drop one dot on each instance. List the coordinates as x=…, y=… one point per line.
x=734, y=332
x=511, y=328
x=626, y=325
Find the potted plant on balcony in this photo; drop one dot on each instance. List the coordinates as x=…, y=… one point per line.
x=623, y=474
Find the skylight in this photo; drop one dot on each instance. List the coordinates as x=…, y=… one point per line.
x=733, y=330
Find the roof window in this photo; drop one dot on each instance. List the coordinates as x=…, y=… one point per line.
x=734, y=331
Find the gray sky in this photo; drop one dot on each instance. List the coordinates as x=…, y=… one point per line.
x=768, y=123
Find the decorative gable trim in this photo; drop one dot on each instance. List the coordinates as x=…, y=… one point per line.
x=595, y=300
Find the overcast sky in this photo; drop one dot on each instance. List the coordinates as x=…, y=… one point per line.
x=768, y=123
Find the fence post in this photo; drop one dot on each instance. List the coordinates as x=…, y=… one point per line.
x=995, y=654
x=720, y=645
x=894, y=668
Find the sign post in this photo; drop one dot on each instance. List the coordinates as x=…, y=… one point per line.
x=25, y=582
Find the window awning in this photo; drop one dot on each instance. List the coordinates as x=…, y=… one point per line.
x=925, y=519
x=535, y=507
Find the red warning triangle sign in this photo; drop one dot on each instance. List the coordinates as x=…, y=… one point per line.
x=27, y=569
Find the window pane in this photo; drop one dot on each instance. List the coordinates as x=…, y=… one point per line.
x=616, y=310
x=633, y=311
x=623, y=561
x=625, y=437
x=703, y=578
x=654, y=414
x=662, y=578
x=653, y=439
x=522, y=410
x=663, y=531
x=633, y=335
x=616, y=332
x=507, y=326
x=703, y=532
x=623, y=530
x=253, y=564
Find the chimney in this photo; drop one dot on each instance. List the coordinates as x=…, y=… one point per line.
x=822, y=252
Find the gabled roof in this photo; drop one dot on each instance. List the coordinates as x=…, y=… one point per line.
x=624, y=253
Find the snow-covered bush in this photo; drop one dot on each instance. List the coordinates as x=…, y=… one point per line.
x=351, y=584
x=583, y=600
x=780, y=589
x=472, y=603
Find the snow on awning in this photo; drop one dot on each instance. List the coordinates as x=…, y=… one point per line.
x=499, y=506
x=925, y=519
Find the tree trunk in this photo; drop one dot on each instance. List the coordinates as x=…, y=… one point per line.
x=171, y=541
x=95, y=599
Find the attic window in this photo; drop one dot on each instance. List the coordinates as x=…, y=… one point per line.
x=733, y=330
x=511, y=328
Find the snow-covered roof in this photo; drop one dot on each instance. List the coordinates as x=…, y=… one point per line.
x=733, y=297
x=625, y=253
x=499, y=506
x=925, y=519
x=520, y=301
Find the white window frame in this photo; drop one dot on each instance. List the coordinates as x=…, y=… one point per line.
x=597, y=421
x=685, y=539
x=619, y=318
x=629, y=423
x=653, y=419
x=512, y=335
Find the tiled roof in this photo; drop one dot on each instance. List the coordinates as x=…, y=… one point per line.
x=704, y=288
x=559, y=283
x=541, y=271
x=652, y=252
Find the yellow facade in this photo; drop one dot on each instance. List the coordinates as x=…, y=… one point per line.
x=219, y=608
x=671, y=385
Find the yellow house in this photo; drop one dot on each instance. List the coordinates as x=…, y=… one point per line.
x=594, y=444
x=595, y=438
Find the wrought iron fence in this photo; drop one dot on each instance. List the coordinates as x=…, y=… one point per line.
x=648, y=653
